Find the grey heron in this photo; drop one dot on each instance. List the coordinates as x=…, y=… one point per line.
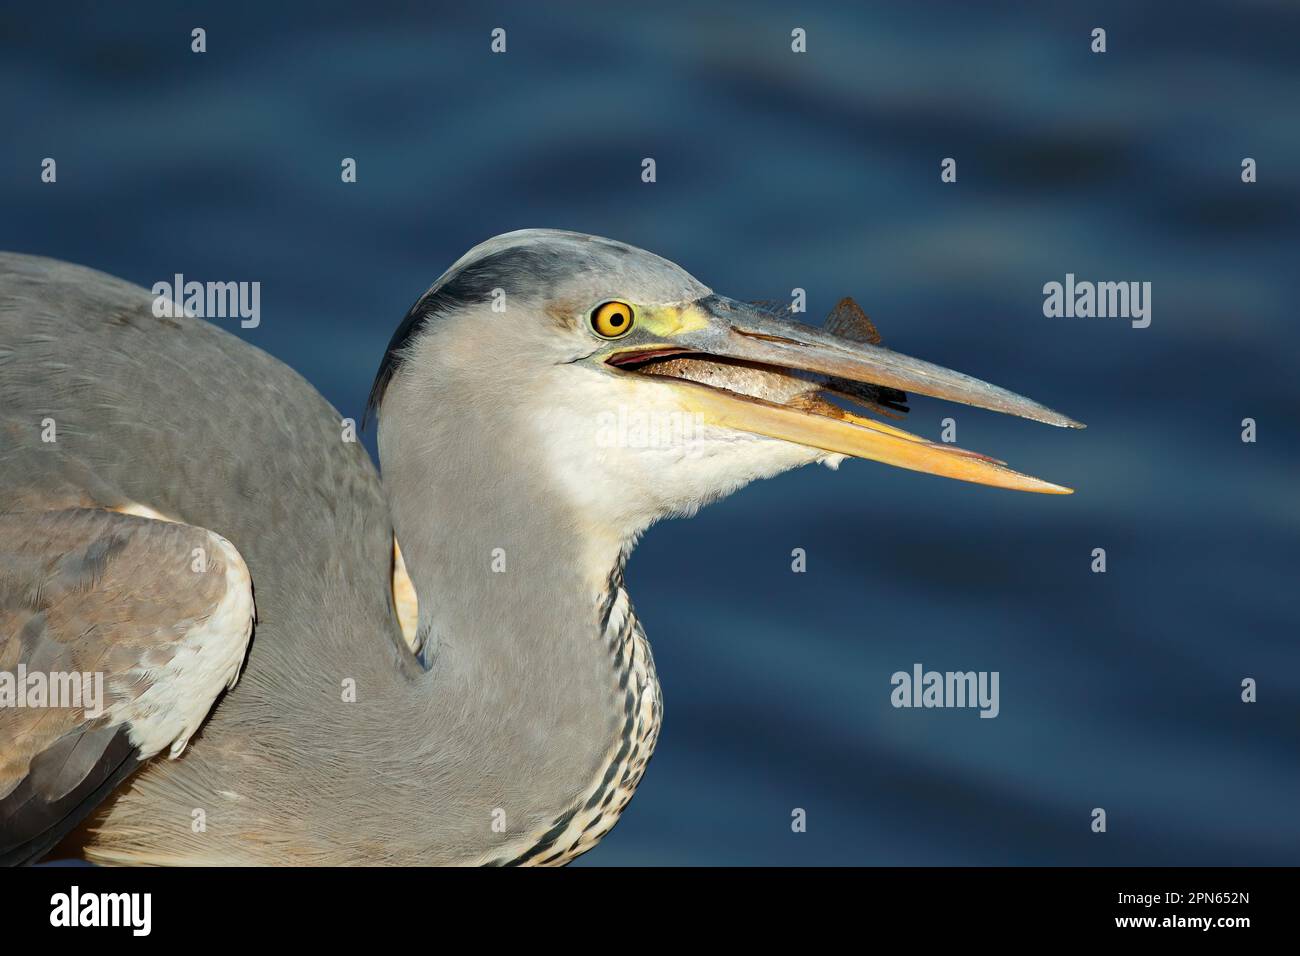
x=303, y=663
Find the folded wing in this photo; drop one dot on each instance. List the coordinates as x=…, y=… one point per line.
x=117, y=635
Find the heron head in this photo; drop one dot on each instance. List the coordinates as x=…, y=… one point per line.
x=635, y=392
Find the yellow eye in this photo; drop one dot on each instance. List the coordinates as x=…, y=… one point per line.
x=612, y=319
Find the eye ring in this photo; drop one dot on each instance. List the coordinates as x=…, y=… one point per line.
x=613, y=319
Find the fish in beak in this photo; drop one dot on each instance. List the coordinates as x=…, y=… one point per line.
x=743, y=367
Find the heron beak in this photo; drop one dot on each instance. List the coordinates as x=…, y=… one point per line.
x=773, y=377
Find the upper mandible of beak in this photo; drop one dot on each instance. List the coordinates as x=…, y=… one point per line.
x=745, y=332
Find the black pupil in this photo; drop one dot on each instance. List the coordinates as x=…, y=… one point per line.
x=617, y=319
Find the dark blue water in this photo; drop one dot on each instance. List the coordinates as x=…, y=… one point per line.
x=775, y=170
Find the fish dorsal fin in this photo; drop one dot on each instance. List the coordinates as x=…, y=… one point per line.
x=848, y=321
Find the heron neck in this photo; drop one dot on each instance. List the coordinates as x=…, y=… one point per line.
x=534, y=660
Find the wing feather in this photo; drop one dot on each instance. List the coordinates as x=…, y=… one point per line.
x=117, y=635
